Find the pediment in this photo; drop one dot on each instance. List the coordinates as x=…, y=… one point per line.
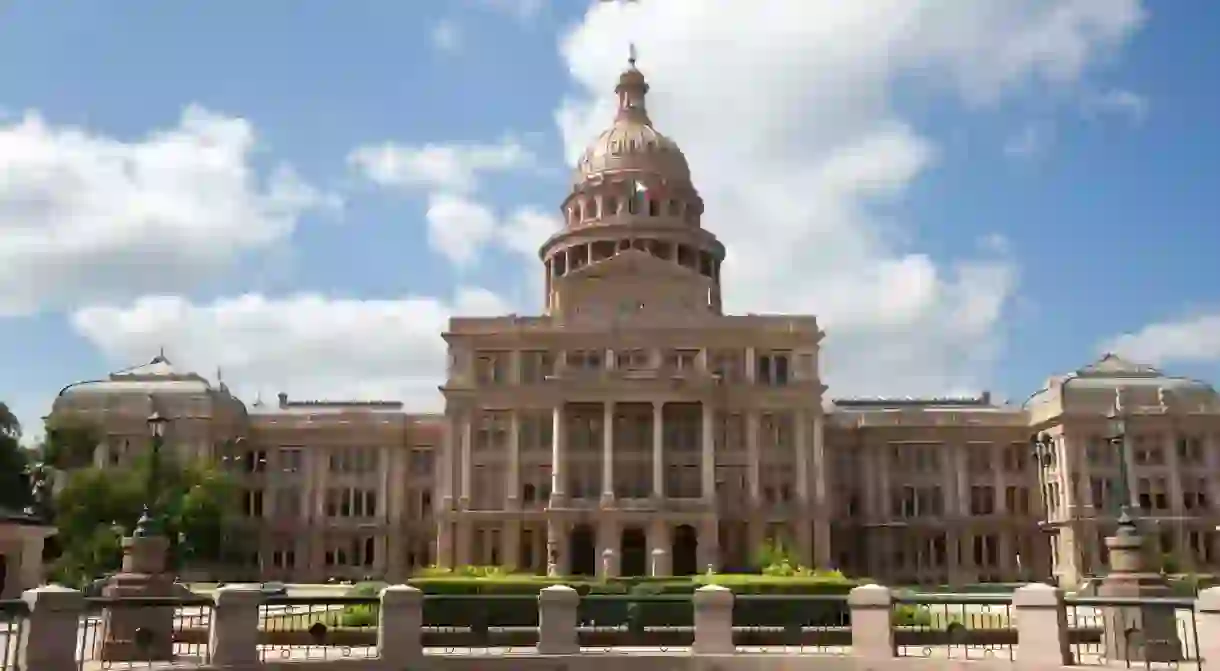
x=632, y=263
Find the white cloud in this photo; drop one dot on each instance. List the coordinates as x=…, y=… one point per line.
x=446, y=36
x=1117, y=102
x=309, y=346
x=444, y=167
x=1195, y=339
x=89, y=217
x=458, y=227
x=1032, y=141
x=786, y=111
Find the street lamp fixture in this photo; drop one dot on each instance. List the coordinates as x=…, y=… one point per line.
x=1117, y=436
x=147, y=526
x=1042, y=447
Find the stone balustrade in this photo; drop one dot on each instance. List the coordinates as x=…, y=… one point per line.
x=1038, y=632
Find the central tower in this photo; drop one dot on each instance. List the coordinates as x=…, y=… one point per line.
x=632, y=245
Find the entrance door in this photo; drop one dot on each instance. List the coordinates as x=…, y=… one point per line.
x=685, y=550
x=583, y=548
x=633, y=552
x=3, y=575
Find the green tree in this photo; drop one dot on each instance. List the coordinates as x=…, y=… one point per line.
x=68, y=445
x=97, y=507
x=15, y=491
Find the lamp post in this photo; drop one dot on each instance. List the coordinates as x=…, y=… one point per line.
x=1042, y=447
x=147, y=525
x=1117, y=437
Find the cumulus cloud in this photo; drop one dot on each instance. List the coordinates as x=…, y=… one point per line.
x=458, y=227
x=1194, y=339
x=786, y=111
x=437, y=167
x=89, y=217
x=308, y=345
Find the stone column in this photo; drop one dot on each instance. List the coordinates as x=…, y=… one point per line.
x=659, y=548
x=558, y=447
x=464, y=542
x=233, y=635
x=821, y=513
x=557, y=633
x=708, y=458
x=753, y=458
x=1145, y=633
x=658, y=450
x=467, y=470
x=399, y=627
x=48, y=640
x=713, y=621
x=444, y=541
x=1042, y=626
x=709, y=545
x=608, y=453
x=872, y=631
x=555, y=543
x=608, y=534
x=512, y=544
x=512, y=497
x=143, y=575
x=803, y=520
x=1207, y=625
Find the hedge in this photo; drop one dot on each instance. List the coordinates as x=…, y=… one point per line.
x=517, y=607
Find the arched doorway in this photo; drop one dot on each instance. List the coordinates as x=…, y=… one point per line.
x=582, y=548
x=685, y=550
x=633, y=552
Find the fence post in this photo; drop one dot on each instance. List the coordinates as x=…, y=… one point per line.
x=48, y=638
x=400, y=625
x=872, y=628
x=557, y=633
x=1042, y=626
x=1207, y=625
x=234, y=633
x=713, y=621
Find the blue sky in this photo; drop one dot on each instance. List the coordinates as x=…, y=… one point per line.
x=970, y=198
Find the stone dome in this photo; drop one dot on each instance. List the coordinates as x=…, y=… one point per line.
x=631, y=144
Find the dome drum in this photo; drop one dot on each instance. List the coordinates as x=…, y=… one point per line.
x=698, y=256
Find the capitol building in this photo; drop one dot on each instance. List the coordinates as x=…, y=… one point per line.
x=635, y=428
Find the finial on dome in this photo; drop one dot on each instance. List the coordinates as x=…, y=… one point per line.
x=631, y=90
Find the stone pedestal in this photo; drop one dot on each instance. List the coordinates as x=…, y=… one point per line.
x=140, y=633
x=1143, y=633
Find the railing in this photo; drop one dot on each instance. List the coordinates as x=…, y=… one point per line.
x=13, y=615
x=1037, y=627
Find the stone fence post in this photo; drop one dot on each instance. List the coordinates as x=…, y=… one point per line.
x=1207, y=623
x=713, y=621
x=557, y=633
x=48, y=639
x=399, y=627
x=233, y=635
x=872, y=628
x=1042, y=626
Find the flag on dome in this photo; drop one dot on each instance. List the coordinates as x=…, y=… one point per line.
x=640, y=195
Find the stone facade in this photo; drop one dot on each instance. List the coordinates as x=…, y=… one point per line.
x=634, y=427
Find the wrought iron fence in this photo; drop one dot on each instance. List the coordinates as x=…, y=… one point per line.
x=317, y=628
x=954, y=626
x=1150, y=633
x=127, y=632
x=792, y=623
x=13, y=615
